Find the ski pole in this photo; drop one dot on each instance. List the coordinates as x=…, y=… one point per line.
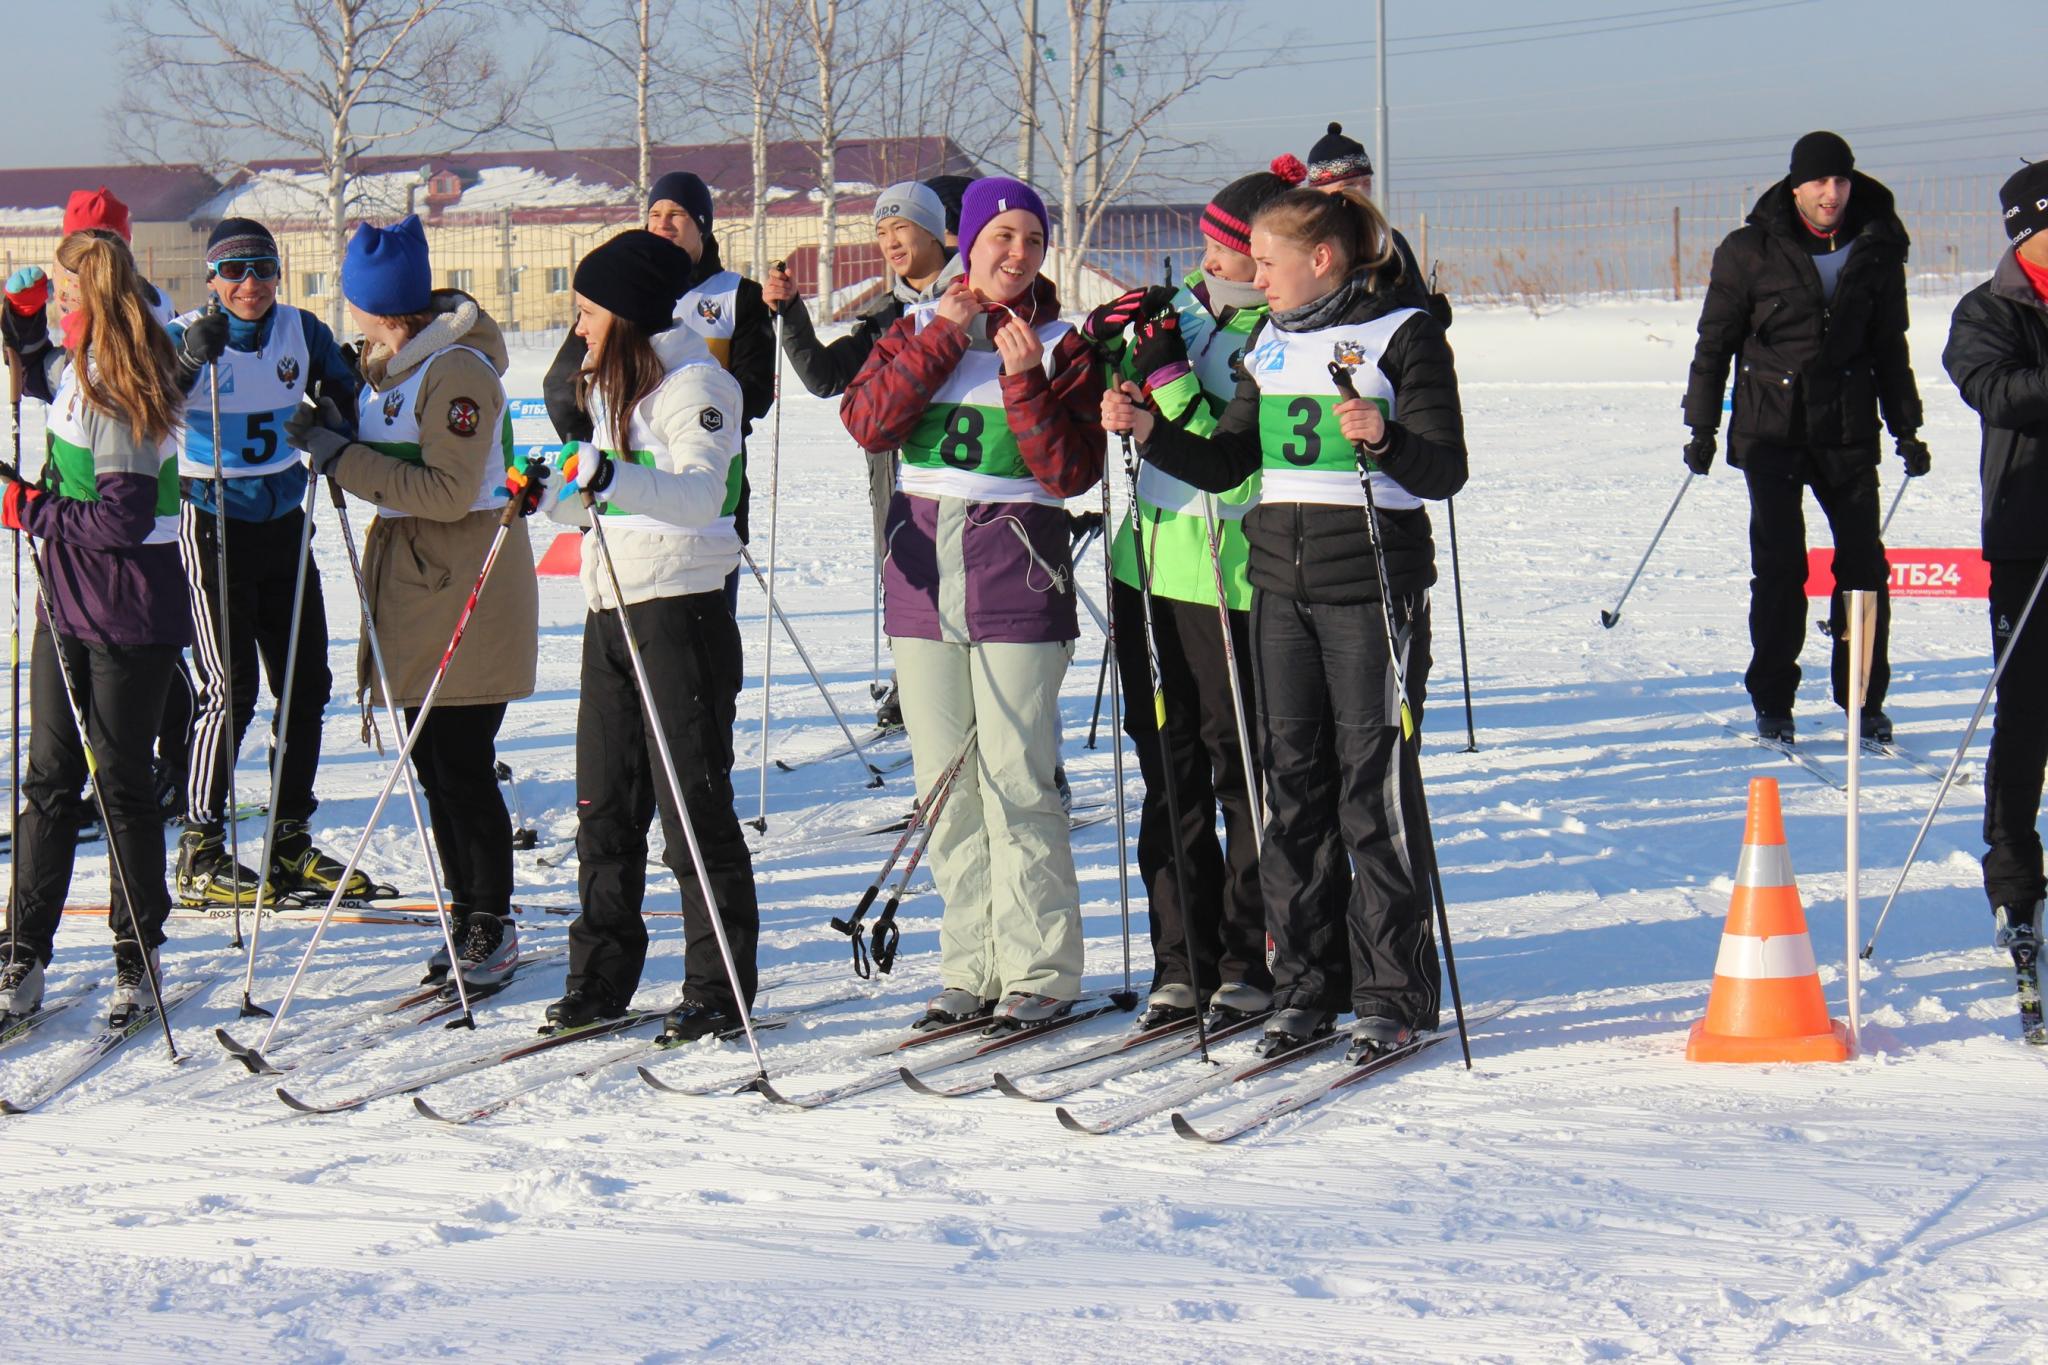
x=444, y=917
x=1244, y=732
x=920, y=815
x=1609, y=619
x=1458, y=595
x=76, y=706
x=284, y=711
x=226, y=653
x=1183, y=883
x=1897, y=498
x=760, y=820
x=1409, y=740
x=885, y=936
x=1948, y=778
x=775, y=608
x=1116, y=745
x=521, y=502
x=675, y=784
x=524, y=836
x=1101, y=677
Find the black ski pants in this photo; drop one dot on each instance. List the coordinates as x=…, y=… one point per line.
x=456, y=759
x=1777, y=586
x=2019, y=740
x=262, y=573
x=1219, y=914
x=121, y=694
x=1344, y=866
x=691, y=646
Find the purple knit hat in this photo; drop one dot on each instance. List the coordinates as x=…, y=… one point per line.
x=993, y=195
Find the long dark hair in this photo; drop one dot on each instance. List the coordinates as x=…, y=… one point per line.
x=627, y=370
x=1353, y=227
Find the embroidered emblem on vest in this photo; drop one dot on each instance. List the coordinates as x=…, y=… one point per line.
x=287, y=370
x=462, y=416
x=709, y=310
x=393, y=401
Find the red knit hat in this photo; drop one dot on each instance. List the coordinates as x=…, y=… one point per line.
x=96, y=209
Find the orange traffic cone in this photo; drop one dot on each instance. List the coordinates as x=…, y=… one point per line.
x=1766, y=1004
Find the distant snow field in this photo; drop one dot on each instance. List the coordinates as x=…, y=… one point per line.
x=1582, y=1193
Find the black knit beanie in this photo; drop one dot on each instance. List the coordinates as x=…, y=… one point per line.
x=637, y=276
x=683, y=188
x=1227, y=220
x=2024, y=198
x=1820, y=156
x=1336, y=157
x=949, y=188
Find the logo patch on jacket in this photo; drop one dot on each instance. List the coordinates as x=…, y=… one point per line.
x=462, y=416
x=711, y=419
x=287, y=371
x=1348, y=353
x=709, y=310
x=393, y=401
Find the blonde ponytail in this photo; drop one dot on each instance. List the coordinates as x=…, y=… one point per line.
x=126, y=366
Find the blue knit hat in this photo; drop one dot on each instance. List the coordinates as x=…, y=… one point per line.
x=991, y=196
x=386, y=272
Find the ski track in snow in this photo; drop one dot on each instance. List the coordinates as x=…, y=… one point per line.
x=1582, y=1194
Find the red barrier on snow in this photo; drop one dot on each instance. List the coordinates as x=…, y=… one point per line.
x=1915, y=573
x=564, y=558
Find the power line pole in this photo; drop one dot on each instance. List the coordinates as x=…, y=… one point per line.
x=1379, y=151
x=1027, y=95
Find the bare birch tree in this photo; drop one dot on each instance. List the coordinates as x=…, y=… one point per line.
x=746, y=71
x=851, y=44
x=1105, y=102
x=627, y=50
x=327, y=80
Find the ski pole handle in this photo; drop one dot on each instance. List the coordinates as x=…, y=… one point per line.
x=851, y=924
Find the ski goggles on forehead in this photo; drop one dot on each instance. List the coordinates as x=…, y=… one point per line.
x=242, y=267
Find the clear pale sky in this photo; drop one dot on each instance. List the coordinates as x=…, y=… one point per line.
x=1482, y=91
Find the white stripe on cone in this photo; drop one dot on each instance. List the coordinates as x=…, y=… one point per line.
x=1764, y=959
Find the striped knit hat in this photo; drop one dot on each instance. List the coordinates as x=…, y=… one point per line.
x=1336, y=157
x=239, y=239
x=1227, y=220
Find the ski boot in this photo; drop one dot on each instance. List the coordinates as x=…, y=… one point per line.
x=132, y=995
x=889, y=708
x=1375, y=1035
x=2017, y=924
x=1061, y=785
x=953, y=1005
x=1290, y=1028
x=1022, y=1010
x=580, y=1005
x=297, y=867
x=207, y=875
x=1877, y=727
x=1236, y=1001
x=1775, y=726
x=694, y=1019
x=21, y=987
x=1168, y=1005
x=489, y=952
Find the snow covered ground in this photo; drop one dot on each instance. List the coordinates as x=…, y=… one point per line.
x=1582, y=1193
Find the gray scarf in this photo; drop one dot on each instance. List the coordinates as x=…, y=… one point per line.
x=1327, y=310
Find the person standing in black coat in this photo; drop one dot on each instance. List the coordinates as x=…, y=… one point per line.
x=1997, y=354
x=1810, y=296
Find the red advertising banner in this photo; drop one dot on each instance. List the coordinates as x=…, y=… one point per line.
x=1915, y=573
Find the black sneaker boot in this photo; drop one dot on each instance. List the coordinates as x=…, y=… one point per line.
x=1877, y=727
x=580, y=1005
x=1776, y=726
x=1375, y=1035
x=1169, y=1004
x=1290, y=1028
x=694, y=1019
x=889, y=708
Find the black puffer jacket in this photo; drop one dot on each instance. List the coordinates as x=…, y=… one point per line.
x=1997, y=353
x=1813, y=373
x=1319, y=553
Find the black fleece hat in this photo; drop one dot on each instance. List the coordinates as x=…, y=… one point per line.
x=1818, y=156
x=684, y=188
x=950, y=188
x=638, y=276
x=2024, y=198
x=1337, y=157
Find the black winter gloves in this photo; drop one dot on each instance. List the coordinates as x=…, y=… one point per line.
x=1699, y=452
x=1919, y=459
